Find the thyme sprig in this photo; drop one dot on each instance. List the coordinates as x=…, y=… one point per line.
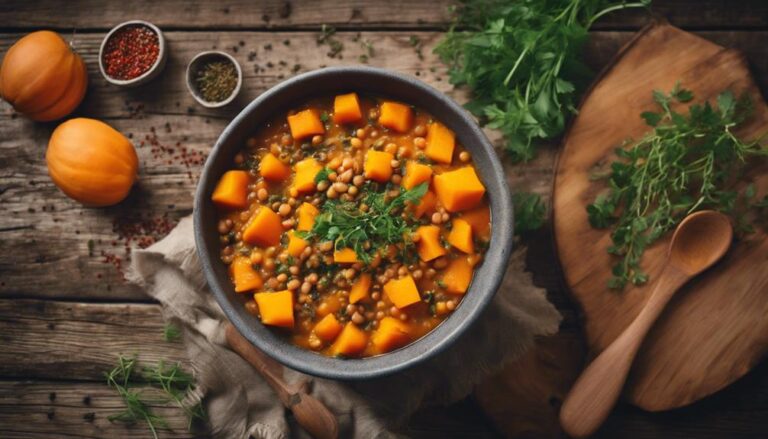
x=687, y=162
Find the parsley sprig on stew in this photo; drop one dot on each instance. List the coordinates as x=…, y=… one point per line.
x=369, y=226
x=687, y=162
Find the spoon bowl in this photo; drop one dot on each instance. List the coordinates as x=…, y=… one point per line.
x=700, y=240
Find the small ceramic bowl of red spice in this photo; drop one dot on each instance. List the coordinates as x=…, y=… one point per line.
x=133, y=53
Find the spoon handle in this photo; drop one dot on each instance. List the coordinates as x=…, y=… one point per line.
x=310, y=413
x=594, y=394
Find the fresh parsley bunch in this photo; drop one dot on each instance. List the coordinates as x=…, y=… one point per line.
x=521, y=61
x=687, y=162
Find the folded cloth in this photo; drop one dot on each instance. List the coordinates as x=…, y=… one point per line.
x=239, y=402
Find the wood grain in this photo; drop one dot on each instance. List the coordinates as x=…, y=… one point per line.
x=270, y=14
x=714, y=330
x=77, y=410
x=78, y=341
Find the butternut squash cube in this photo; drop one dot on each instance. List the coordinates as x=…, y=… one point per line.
x=461, y=236
x=307, y=213
x=459, y=189
x=457, y=276
x=244, y=276
x=430, y=246
x=440, y=143
x=296, y=245
x=378, y=165
x=276, y=309
x=360, y=288
x=396, y=116
x=306, y=171
x=263, y=229
x=351, y=342
x=232, y=190
x=328, y=305
x=305, y=123
x=345, y=256
x=390, y=335
x=480, y=220
x=427, y=204
x=402, y=292
x=328, y=328
x=272, y=169
x=346, y=109
x=415, y=174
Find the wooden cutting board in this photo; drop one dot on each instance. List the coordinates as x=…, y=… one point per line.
x=716, y=328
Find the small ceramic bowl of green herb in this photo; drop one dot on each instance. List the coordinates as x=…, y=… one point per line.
x=214, y=78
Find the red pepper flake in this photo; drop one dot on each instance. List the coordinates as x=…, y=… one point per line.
x=130, y=52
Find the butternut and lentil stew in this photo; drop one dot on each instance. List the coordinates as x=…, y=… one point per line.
x=353, y=223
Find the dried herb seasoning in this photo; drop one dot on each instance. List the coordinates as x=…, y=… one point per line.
x=216, y=80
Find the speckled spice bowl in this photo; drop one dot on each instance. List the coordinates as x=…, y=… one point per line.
x=327, y=82
x=147, y=76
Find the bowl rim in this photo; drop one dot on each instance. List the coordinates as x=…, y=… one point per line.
x=436, y=340
x=193, y=91
x=146, y=76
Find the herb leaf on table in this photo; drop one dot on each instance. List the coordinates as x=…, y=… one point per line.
x=521, y=62
x=687, y=162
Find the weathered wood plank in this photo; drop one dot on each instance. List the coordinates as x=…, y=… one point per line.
x=78, y=341
x=351, y=14
x=77, y=410
x=43, y=255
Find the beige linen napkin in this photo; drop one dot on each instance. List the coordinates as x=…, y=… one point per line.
x=239, y=403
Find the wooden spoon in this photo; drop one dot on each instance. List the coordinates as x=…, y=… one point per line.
x=700, y=240
x=310, y=413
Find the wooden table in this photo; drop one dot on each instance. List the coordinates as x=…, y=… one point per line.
x=65, y=311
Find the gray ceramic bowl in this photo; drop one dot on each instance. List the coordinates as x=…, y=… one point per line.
x=327, y=82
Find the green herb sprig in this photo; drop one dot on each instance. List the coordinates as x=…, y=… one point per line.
x=171, y=379
x=367, y=231
x=687, y=162
x=521, y=62
x=530, y=212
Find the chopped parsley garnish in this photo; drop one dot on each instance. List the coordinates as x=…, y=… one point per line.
x=366, y=232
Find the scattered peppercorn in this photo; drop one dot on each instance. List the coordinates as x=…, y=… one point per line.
x=130, y=52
